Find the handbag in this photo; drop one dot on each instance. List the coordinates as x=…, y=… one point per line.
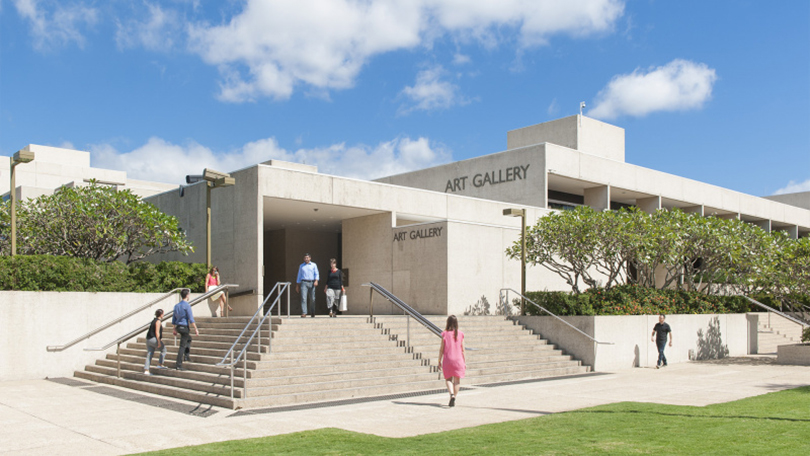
x=344, y=302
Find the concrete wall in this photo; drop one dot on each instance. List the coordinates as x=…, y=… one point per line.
x=694, y=337
x=575, y=132
x=368, y=255
x=35, y=320
x=801, y=199
x=517, y=176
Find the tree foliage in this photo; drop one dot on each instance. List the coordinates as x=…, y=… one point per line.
x=96, y=222
x=667, y=250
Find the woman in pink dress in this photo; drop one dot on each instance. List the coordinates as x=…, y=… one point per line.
x=452, y=359
x=212, y=281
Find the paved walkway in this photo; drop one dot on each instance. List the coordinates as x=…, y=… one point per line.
x=67, y=416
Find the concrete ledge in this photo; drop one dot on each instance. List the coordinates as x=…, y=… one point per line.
x=797, y=354
x=695, y=337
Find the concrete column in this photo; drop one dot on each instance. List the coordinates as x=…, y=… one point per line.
x=598, y=198
x=793, y=231
x=695, y=210
x=649, y=205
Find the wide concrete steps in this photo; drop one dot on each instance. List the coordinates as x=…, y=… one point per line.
x=327, y=359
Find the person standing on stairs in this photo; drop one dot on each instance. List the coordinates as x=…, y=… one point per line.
x=334, y=288
x=182, y=318
x=212, y=281
x=452, y=359
x=659, y=336
x=306, y=284
x=154, y=336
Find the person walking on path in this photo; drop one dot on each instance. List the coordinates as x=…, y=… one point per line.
x=182, y=318
x=452, y=359
x=212, y=281
x=306, y=283
x=659, y=336
x=154, y=336
x=334, y=288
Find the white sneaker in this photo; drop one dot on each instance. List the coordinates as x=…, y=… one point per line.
x=146, y=373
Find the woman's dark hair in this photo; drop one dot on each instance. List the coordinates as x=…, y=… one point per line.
x=158, y=313
x=452, y=323
x=333, y=261
x=213, y=268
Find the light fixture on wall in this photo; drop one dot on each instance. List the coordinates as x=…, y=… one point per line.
x=213, y=179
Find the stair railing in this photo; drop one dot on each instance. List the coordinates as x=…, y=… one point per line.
x=506, y=300
x=166, y=315
x=280, y=287
x=771, y=309
x=408, y=310
x=58, y=348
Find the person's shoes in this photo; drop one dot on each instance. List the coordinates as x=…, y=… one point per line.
x=313, y=315
x=180, y=368
x=304, y=316
x=161, y=367
x=658, y=366
x=665, y=365
x=452, y=401
x=146, y=373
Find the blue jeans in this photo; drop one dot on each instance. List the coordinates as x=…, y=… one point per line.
x=662, y=360
x=307, y=293
x=151, y=346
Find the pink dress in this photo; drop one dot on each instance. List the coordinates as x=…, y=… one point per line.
x=453, y=362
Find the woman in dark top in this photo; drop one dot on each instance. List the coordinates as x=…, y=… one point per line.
x=154, y=341
x=334, y=288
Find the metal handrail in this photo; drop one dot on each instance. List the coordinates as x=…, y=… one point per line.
x=56, y=348
x=771, y=309
x=550, y=313
x=166, y=315
x=281, y=286
x=410, y=311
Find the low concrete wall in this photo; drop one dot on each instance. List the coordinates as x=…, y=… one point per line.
x=34, y=320
x=798, y=354
x=694, y=337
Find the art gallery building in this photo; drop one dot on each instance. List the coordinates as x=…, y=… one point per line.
x=437, y=237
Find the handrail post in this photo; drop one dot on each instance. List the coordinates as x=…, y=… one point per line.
x=408, y=341
x=371, y=302
x=231, y=377
x=244, y=377
x=118, y=352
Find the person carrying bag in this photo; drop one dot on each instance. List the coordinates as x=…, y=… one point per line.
x=335, y=293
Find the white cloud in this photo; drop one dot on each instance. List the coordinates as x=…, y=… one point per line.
x=677, y=86
x=429, y=92
x=157, y=32
x=161, y=161
x=54, y=24
x=269, y=48
x=461, y=59
x=794, y=187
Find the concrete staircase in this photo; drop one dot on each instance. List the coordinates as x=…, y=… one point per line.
x=774, y=330
x=325, y=359
x=497, y=349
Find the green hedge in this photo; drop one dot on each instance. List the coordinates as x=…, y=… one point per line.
x=61, y=273
x=635, y=300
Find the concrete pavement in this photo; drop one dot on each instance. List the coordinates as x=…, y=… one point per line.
x=67, y=416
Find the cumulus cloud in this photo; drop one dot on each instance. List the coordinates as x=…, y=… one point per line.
x=269, y=48
x=54, y=24
x=157, y=31
x=161, y=161
x=431, y=93
x=677, y=86
x=794, y=187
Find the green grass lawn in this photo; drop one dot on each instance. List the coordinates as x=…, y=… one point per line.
x=775, y=423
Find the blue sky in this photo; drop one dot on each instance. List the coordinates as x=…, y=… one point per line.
x=716, y=91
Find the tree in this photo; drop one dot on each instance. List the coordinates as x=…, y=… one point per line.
x=94, y=221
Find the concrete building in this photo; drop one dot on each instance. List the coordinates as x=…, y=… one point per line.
x=436, y=237
x=56, y=167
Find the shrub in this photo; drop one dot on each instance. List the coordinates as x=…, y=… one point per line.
x=62, y=273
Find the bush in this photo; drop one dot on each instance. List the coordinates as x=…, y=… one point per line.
x=634, y=300
x=62, y=273
x=806, y=334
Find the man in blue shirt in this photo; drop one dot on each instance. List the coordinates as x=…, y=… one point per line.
x=181, y=319
x=306, y=283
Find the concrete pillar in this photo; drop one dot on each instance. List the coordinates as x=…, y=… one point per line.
x=649, y=205
x=694, y=210
x=598, y=198
x=793, y=231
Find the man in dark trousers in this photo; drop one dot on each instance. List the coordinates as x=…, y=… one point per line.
x=659, y=336
x=182, y=318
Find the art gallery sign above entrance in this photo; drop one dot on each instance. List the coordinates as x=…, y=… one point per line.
x=494, y=177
